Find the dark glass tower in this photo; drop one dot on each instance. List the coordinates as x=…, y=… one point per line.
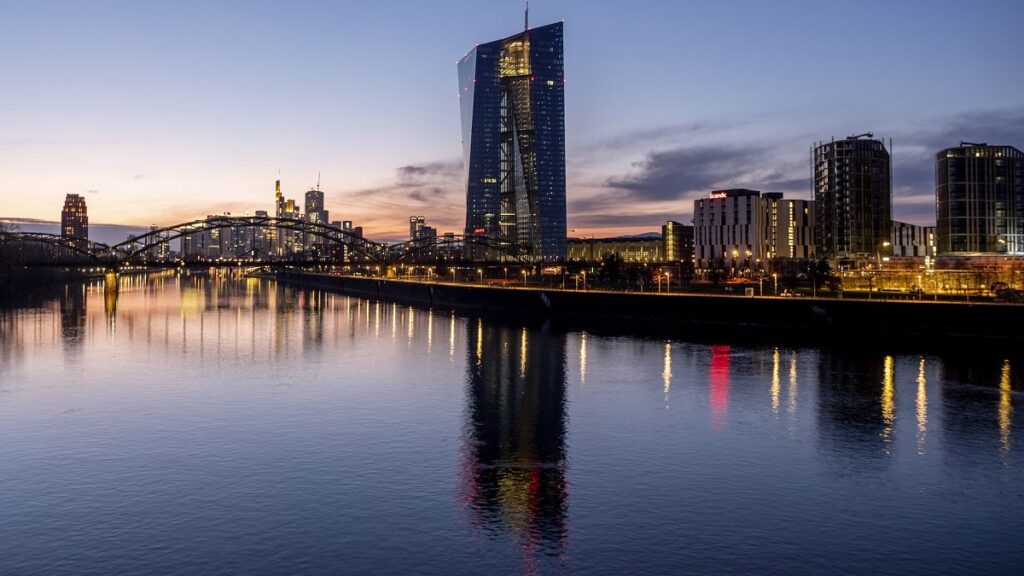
x=513, y=144
x=979, y=199
x=852, y=198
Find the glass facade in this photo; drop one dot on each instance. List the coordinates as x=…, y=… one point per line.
x=979, y=200
x=513, y=144
x=852, y=198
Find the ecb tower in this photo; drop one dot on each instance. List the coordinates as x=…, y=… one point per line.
x=513, y=144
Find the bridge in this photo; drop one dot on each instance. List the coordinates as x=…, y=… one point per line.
x=251, y=240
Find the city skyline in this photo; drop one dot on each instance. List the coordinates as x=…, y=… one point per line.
x=697, y=98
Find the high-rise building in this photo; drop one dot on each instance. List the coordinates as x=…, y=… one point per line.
x=979, y=200
x=416, y=224
x=315, y=211
x=74, y=221
x=513, y=142
x=852, y=197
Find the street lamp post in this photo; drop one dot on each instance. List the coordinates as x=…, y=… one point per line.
x=480, y=271
x=775, y=277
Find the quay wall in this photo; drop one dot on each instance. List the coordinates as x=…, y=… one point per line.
x=811, y=320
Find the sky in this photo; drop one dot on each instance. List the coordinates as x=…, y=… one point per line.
x=164, y=112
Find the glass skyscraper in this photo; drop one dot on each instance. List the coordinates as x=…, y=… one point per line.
x=513, y=144
x=979, y=199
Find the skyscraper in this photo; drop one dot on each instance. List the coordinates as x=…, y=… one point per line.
x=74, y=221
x=513, y=142
x=852, y=197
x=979, y=199
x=416, y=224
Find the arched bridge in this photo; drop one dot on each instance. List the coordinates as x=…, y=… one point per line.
x=253, y=239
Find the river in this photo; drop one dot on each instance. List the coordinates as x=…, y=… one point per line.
x=216, y=424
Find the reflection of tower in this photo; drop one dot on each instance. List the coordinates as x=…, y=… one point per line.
x=72, y=315
x=514, y=455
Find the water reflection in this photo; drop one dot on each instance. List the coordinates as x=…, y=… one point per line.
x=922, y=407
x=514, y=446
x=856, y=404
x=719, y=376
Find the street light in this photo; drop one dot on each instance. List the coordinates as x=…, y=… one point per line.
x=480, y=271
x=775, y=277
x=524, y=276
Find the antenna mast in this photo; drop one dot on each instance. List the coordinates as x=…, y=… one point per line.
x=526, y=21
x=318, y=180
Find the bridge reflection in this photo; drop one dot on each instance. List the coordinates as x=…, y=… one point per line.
x=514, y=452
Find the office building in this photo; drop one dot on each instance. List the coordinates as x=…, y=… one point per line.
x=677, y=242
x=979, y=200
x=852, y=197
x=74, y=221
x=513, y=141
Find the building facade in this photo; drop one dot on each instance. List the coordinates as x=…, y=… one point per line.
x=639, y=249
x=788, y=227
x=979, y=200
x=74, y=221
x=741, y=228
x=911, y=240
x=728, y=227
x=852, y=197
x=677, y=242
x=513, y=140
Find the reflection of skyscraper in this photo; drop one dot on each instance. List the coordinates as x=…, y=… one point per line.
x=513, y=142
x=72, y=315
x=514, y=467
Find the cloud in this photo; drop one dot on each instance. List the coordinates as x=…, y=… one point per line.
x=92, y=191
x=141, y=177
x=431, y=189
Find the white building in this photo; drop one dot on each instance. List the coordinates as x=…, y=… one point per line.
x=741, y=228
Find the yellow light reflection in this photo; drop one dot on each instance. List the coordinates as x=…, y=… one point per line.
x=411, y=330
x=451, y=338
x=922, y=407
x=394, y=321
x=583, y=358
x=1005, y=408
x=430, y=330
x=479, y=341
x=888, y=402
x=776, y=388
x=522, y=354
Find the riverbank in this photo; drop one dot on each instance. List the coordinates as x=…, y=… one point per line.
x=804, y=320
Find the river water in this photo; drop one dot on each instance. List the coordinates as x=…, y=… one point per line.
x=223, y=425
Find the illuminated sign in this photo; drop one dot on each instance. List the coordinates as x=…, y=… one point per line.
x=479, y=230
x=551, y=271
x=717, y=195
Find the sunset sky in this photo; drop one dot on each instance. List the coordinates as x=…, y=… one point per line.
x=165, y=112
